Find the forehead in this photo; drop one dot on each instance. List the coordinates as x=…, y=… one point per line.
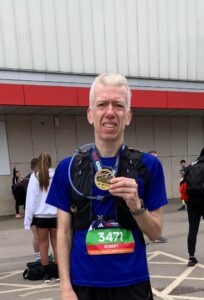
x=107, y=92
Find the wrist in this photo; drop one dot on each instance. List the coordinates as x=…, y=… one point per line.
x=138, y=210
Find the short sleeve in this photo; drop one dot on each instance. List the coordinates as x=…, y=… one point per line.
x=59, y=193
x=155, y=195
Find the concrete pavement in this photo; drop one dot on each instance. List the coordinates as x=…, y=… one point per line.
x=171, y=278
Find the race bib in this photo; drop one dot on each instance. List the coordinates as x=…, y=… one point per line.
x=101, y=241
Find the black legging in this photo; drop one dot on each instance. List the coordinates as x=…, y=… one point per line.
x=194, y=215
x=17, y=207
x=19, y=196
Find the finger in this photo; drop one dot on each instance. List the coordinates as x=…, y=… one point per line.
x=125, y=196
x=116, y=179
x=123, y=189
x=124, y=185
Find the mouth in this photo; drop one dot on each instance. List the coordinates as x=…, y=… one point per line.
x=109, y=125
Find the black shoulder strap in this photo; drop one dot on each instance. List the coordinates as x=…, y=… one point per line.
x=132, y=159
x=82, y=177
x=82, y=173
x=131, y=166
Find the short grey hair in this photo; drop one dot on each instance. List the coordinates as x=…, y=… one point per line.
x=114, y=79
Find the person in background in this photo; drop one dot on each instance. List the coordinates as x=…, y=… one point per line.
x=18, y=192
x=194, y=203
x=182, y=173
x=153, y=152
x=162, y=239
x=102, y=254
x=33, y=165
x=183, y=164
x=41, y=214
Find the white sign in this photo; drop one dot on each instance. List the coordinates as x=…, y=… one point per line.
x=4, y=156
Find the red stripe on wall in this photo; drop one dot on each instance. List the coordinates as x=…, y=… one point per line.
x=11, y=94
x=41, y=95
x=149, y=99
x=83, y=96
x=50, y=95
x=185, y=100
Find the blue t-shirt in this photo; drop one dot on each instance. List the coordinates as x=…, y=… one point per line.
x=109, y=270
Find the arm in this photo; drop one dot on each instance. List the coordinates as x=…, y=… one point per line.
x=64, y=243
x=149, y=222
x=14, y=175
x=14, y=170
x=31, y=198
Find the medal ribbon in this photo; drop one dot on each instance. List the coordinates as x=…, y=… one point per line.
x=98, y=163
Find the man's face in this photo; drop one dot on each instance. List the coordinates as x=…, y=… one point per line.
x=183, y=164
x=109, y=114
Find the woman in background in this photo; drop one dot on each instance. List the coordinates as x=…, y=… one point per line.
x=18, y=192
x=41, y=214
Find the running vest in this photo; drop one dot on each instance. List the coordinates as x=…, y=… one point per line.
x=82, y=171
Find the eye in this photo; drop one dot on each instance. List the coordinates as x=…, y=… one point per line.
x=100, y=104
x=119, y=106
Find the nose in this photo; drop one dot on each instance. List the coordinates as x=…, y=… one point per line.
x=110, y=109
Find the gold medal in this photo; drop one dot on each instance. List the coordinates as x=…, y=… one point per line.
x=102, y=179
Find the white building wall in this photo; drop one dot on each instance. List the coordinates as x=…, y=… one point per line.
x=139, y=38
x=173, y=138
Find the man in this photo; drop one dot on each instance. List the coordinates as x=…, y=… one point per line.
x=194, y=178
x=153, y=152
x=183, y=164
x=182, y=173
x=98, y=257
x=33, y=165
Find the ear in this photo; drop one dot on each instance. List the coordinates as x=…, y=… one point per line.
x=129, y=118
x=89, y=116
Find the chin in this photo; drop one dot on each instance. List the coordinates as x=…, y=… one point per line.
x=109, y=137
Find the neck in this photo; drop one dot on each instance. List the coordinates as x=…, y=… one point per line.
x=108, y=149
